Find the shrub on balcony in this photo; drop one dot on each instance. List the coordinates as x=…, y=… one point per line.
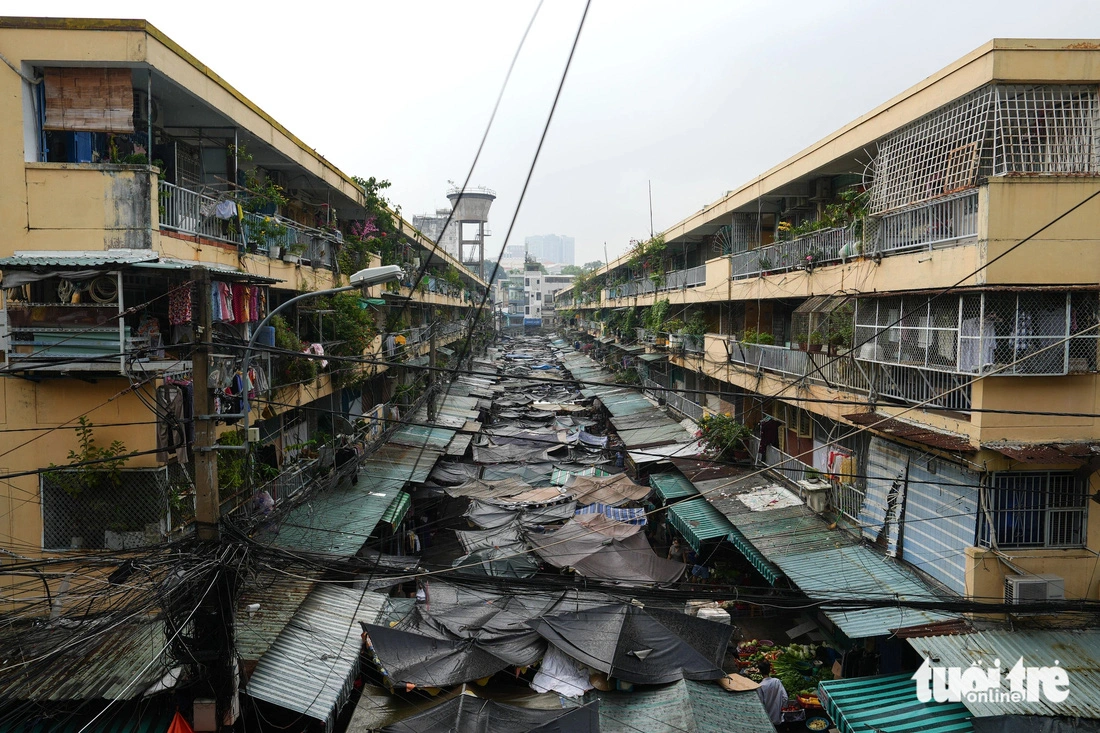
x=723, y=436
x=696, y=325
x=291, y=368
x=752, y=336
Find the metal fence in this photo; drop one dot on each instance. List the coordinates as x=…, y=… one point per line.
x=191, y=212
x=785, y=465
x=940, y=223
x=820, y=247
x=90, y=510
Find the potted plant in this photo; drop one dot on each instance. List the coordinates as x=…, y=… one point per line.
x=293, y=253
x=673, y=327
x=815, y=340
x=802, y=340
x=764, y=264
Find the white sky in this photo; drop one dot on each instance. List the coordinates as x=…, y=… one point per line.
x=696, y=96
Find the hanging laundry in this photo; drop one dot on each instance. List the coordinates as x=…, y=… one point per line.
x=221, y=302
x=226, y=209
x=317, y=350
x=254, y=303
x=242, y=303
x=179, y=305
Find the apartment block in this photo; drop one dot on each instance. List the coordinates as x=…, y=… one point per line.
x=908, y=309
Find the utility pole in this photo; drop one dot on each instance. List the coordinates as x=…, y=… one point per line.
x=213, y=646
x=207, y=504
x=651, y=209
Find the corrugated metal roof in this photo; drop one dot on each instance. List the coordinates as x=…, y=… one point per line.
x=653, y=357
x=76, y=258
x=664, y=452
x=111, y=663
x=686, y=705
x=889, y=704
x=419, y=436
x=1077, y=652
x=561, y=475
x=857, y=573
x=915, y=433
x=459, y=444
x=698, y=521
x=397, y=510
x=1071, y=454
x=655, y=435
x=279, y=596
x=224, y=271
x=672, y=486
x=310, y=667
x=827, y=564
x=338, y=521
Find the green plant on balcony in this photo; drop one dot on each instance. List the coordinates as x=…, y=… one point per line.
x=724, y=437
x=673, y=325
x=816, y=340
x=696, y=325
x=752, y=336
x=290, y=368
x=655, y=315
x=764, y=264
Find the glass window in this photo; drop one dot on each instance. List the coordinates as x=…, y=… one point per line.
x=1033, y=509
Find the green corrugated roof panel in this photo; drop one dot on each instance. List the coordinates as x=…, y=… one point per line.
x=397, y=510
x=653, y=357
x=770, y=572
x=686, y=705
x=889, y=704
x=671, y=486
x=654, y=435
x=561, y=475
x=419, y=436
x=338, y=521
x=698, y=521
x=95, y=258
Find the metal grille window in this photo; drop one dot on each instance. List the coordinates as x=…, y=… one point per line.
x=79, y=511
x=933, y=156
x=1046, y=129
x=995, y=130
x=1005, y=333
x=1035, y=509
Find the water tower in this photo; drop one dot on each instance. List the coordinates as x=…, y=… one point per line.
x=471, y=216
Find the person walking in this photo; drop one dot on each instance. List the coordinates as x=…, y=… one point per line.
x=676, y=551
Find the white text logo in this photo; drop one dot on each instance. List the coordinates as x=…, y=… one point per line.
x=987, y=684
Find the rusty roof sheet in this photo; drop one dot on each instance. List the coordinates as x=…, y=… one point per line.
x=908, y=431
x=278, y=596
x=1075, y=454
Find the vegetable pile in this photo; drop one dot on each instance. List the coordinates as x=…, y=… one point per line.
x=795, y=665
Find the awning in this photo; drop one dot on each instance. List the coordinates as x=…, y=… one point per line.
x=653, y=357
x=683, y=706
x=397, y=510
x=889, y=704
x=445, y=351
x=698, y=521
x=1073, y=454
x=770, y=572
x=672, y=486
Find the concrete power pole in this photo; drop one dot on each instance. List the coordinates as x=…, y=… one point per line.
x=207, y=503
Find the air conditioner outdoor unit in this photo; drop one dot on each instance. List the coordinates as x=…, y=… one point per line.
x=1033, y=588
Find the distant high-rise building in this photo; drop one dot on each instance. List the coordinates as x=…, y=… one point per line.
x=551, y=248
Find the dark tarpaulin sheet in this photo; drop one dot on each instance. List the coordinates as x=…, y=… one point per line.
x=500, y=628
x=518, y=453
x=511, y=561
x=470, y=714
x=645, y=646
x=414, y=659
x=448, y=472
x=479, y=539
x=482, y=489
x=605, y=549
x=492, y=515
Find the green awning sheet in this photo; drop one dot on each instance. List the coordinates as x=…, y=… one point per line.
x=397, y=510
x=889, y=704
x=698, y=522
x=770, y=572
x=672, y=486
x=364, y=302
x=561, y=475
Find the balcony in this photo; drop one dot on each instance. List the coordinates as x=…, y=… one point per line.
x=942, y=223
x=675, y=280
x=908, y=384
x=820, y=247
x=190, y=212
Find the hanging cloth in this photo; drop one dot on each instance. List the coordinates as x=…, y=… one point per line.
x=179, y=306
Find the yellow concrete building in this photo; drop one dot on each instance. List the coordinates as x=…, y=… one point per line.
x=125, y=163
x=928, y=272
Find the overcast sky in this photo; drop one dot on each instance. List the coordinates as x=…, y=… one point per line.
x=695, y=96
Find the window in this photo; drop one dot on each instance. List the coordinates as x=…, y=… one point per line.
x=527, y=282
x=538, y=296
x=1033, y=509
x=527, y=310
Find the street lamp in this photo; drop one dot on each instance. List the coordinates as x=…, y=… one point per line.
x=361, y=279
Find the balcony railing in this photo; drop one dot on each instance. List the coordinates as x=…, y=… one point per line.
x=191, y=212
x=908, y=384
x=821, y=247
x=673, y=399
x=941, y=223
x=674, y=280
x=847, y=498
